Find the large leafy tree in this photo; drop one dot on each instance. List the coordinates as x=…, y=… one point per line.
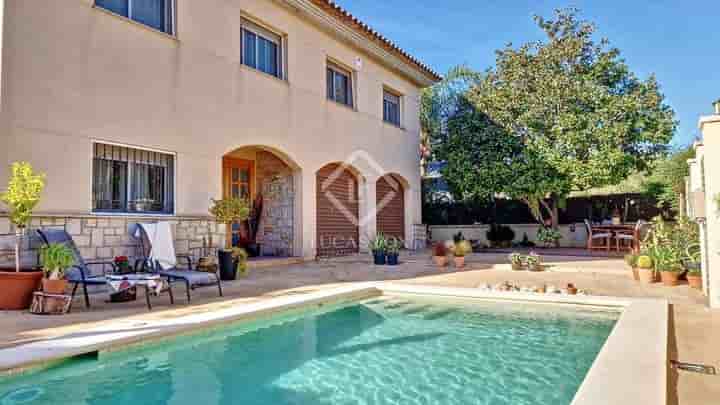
x=667, y=180
x=552, y=116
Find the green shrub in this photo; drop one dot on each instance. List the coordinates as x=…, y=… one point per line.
x=645, y=262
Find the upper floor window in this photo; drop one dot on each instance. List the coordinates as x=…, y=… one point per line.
x=391, y=108
x=339, y=85
x=261, y=49
x=130, y=180
x=158, y=14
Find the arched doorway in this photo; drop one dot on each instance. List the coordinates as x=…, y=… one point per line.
x=337, y=210
x=390, y=205
x=268, y=179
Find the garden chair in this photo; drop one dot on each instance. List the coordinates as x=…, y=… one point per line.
x=158, y=250
x=632, y=237
x=80, y=273
x=597, y=234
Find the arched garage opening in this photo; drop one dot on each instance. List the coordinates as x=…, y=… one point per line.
x=390, y=205
x=337, y=210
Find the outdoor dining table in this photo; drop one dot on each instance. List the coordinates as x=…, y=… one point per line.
x=152, y=283
x=614, y=230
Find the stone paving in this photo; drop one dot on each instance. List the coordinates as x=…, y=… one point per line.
x=695, y=330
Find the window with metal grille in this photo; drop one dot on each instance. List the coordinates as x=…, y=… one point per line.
x=261, y=49
x=132, y=180
x=339, y=85
x=391, y=108
x=157, y=14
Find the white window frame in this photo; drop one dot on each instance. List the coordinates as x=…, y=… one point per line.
x=401, y=100
x=339, y=69
x=171, y=13
x=268, y=35
x=129, y=185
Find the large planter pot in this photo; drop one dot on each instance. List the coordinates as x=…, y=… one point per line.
x=517, y=266
x=226, y=264
x=694, y=281
x=392, y=259
x=379, y=258
x=670, y=278
x=459, y=261
x=16, y=289
x=646, y=276
x=54, y=286
x=440, y=261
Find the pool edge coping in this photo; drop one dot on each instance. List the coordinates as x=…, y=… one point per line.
x=633, y=359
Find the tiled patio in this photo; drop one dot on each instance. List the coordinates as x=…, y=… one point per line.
x=695, y=330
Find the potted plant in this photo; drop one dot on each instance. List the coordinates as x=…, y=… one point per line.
x=377, y=246
x=548, y=236
x=534, y=262
x=461, y=249
x=571, y=289
x=439, y=252
x=55, y=259
x=631, y=261
x=21, y=197
x=670, y=273
x=122, y=263
x=240, y=257
x=227, y=211
x=516, y=261
x=646, y=271
x=392, y=251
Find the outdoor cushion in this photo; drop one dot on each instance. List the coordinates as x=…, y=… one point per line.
x=194, y=277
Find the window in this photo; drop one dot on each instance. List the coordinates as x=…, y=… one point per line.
x=339, y=85
x=157, y=14
x=132, y=180
x=391, y=108
x=261, y=49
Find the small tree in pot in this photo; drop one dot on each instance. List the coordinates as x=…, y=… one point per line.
x=377, y=246
x=227, y=211
x=440, y=252
x=459, y=250
x=21, y=197
x=646, y=272
x=392, y=250
x=55, y=258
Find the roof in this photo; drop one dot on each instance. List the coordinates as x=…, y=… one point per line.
x=354, y=23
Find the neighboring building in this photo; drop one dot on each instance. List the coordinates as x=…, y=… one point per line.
x=145, y=110
x=704, y=201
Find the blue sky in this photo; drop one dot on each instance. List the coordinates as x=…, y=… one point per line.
x=677, y=40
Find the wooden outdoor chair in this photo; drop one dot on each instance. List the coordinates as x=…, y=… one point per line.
x=595, y=235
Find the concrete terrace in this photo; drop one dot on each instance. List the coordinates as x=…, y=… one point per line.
x=694, y=330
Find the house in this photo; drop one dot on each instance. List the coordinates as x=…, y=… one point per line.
x=146, y=110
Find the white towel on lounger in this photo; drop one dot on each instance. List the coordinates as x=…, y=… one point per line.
x=162, y=246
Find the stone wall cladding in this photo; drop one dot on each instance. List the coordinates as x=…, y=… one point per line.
x=275, y=181
x=105, y=237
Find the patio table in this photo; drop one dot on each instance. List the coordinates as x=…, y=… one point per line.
x=614, y=230
x=152, y=283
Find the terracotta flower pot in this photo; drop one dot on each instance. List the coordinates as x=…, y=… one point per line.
x=54, y=286
x=440, y=261
x=695, y=281
x=635, y=275
x=572, y=290
x=516, y=266
x=646, y=276
x=16, y=289
x=670, y=278
x=459, y=261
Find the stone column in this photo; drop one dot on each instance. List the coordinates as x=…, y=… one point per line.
x=309, y=218
x=710, y=163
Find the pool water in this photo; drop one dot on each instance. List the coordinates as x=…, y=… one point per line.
x=388, y=350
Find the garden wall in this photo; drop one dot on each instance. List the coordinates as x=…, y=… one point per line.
x=99, y=237
x=573, y=235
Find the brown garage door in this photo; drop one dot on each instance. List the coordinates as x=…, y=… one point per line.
x=337, y=211
x=391, y=207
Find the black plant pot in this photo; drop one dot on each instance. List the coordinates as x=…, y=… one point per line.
x=392, y=259
x=379, y=258
x=227, y=265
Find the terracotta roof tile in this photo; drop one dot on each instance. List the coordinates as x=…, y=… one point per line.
x=353, y=22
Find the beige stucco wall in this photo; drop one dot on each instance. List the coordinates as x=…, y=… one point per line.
x=709, y=161
x=73, y=74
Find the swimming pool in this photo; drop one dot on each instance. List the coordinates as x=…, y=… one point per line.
x=384, y=350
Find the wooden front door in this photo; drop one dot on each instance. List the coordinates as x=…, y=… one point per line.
x=237, y=182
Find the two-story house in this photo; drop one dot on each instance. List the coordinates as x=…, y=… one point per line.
x=145, y=110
